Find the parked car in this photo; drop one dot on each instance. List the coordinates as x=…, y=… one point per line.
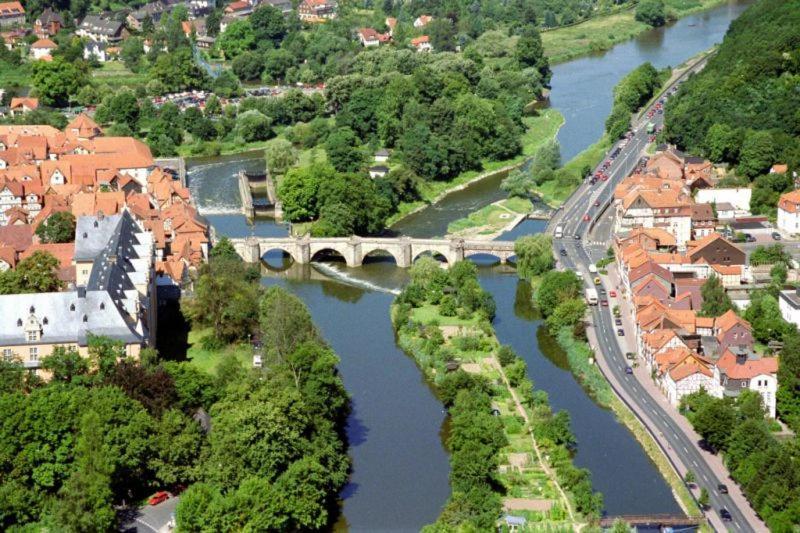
x=621, y=332
x=577, y=236
x=597, y=203
x=597, y=281
x=628, y=370
x=563, y=252
x=604, y=303
x=749, y=238
x=725, y=515
x=630, y=356
x=776, y=236
x=618, y=321
x=613, y=294
x=586, y=218
x=159, y=497
x=722, y=488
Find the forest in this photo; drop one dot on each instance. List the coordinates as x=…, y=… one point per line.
x=742, y=108
x=107, y=431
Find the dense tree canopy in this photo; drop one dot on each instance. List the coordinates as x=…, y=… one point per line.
x=742, y=108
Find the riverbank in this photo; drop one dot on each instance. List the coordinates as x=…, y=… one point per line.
x=492, y=220
x=603, y=33
x=540, y=128
x=580, y=357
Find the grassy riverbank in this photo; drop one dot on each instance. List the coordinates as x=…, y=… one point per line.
x=580, y=357
x=539, y=128
x=602, y=33
x=524, y=466
x=491, y=219
x=207, y=358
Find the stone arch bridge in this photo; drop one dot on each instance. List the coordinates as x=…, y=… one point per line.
x=354, y=249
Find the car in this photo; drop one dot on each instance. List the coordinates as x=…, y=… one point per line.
x=725, y=515
x=621, y=332
x=604, y=303
x=628, y=370
x=586, y=218
x=776, y=236
x=597, y=203
x=613, y=294
x=601, y=291
x=630, y=356
x=577, y=236
x=618, y=321
x=159, y=497
x=597, y=281
x=563, y=252
x=722, y=488
x=749, y=238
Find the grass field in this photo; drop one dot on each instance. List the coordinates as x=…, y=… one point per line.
x=491, y=218
x=602, y=33
x=540, y=128
x=207, y=360
x=114, y=74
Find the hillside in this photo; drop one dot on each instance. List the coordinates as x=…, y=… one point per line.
x=743, y=107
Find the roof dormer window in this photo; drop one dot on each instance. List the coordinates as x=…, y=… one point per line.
x=71, y=307
x=86, y=318
x=19, y=322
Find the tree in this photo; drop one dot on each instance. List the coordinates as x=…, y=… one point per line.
x=714, y=421
x=555, y=288
x=285, y=322
x=534, y=255
x=566, y=314
x=715, y=300
x=280, y=156
x=85, y=502
x=57, y=228
x=703, y=500
x=238, y=38
x=65, y=364
x=789, y=381
x=176, y=445
x=529, y=53
x=132, y=53
x=343, y=150
x=248, y=66
x=722, y=142
x=757, y=153
x=223, y=250
x=651, y=12
x=690, y=478
x=770, y=255
x=178, y=71
x=269, y=24
x=299, y=191
x=58, y=80
x=38, y=273
x=253, y=126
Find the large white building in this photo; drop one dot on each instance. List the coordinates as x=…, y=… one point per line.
x=789, y=212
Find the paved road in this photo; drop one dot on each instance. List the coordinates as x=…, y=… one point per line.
x=582, y=252
x=151, y=518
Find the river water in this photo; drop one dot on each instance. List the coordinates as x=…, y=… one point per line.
x=400, y=466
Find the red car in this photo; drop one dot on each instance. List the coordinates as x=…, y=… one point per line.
x=613, y=294
x=604, y=303
x=159, y=497
x=586, y=218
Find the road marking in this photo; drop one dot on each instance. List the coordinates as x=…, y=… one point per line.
x=695, y=463
x=685, y=449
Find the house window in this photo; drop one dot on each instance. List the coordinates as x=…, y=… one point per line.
x=7, y=354
x=33, y=336
x=33, y=353
x=744, y=383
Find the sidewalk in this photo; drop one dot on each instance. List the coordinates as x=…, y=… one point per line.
x=714, y=461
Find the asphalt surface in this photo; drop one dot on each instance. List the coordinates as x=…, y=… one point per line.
x=151, y=518
x=580, y=254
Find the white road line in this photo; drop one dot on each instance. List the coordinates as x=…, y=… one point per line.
x=685, y=449
x=695, y=463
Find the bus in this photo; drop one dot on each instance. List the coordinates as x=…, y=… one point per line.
x=559, y=231
x=591, y=296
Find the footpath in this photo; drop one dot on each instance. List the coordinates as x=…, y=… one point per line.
x=714, y=461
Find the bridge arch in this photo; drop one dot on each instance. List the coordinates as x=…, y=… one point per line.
x=373, y=253
x=322, y=250
x=432, y=252
x=285, y=250
x=498, y=256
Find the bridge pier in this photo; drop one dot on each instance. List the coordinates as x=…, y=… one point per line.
x=403, y=257
x=251, y=250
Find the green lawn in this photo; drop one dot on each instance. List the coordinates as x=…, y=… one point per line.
x=602, y=33
x=207, y=360
x=11, y=75
x=115, y=74
x=493, y=217
x=428, y=314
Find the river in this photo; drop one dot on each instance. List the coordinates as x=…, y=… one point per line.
x=400, y=466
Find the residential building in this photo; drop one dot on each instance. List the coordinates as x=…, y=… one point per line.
x=703, y=221
x=789, y=303
x=239, y=9
x=47, y=24
x=317, y=10
x=789, y=212
x=43, y=49
x=378, y=171
x=101, y=28
x=739, y=370
x=21, y=105
x=369, y=37
x=391, y=23
x=738, y=197
x=152, y=10
x=96, y=50
x=422, y=43
x=284, y=6
x=422, y=21
x=11, y=14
